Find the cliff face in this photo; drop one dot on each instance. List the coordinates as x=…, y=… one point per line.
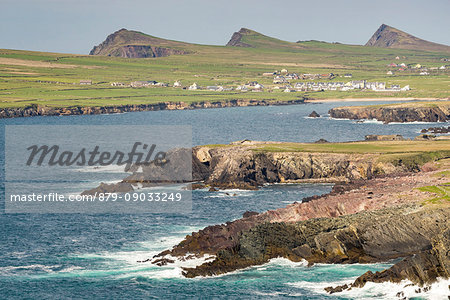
x=365, y=221
x=390, y=37
x=133, y=44
x=37, y=110
x=360, y=238
x=395, y=113
x=240, y=166
x=343, y=200
x=236, y=38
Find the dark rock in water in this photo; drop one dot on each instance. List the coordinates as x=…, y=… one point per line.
x=321, y=141
x=163, y=261
x=249, y=214
x=314, y=114
x=436, y=130
x=212, y=189
x=120, y=187
x=338, y=289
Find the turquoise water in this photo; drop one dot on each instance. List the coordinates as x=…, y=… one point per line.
x=80, y=256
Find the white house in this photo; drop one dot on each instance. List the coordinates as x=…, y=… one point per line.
x=258, y=86
x=177, y=84
x=442, y=68
x=193, y=87
x=215, y=88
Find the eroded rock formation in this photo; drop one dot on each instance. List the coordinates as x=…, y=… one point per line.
x=395, y=113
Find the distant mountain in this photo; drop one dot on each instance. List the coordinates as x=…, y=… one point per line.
x=134, y=44
x=249, y=38
x=390, y=37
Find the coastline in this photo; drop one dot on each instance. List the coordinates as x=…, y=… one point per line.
x=38, y=110
x=372, y=99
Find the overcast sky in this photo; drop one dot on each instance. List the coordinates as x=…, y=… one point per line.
x=75, y=26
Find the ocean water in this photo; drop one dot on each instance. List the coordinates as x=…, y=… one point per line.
x=95, y=256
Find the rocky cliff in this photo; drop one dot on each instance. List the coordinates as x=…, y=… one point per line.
x=236, y=38
x=390, y=37
x=133, y=44
x=406, y=231
x=365, y=221
x=437, y=112
x=38, y=110
x=345, y=199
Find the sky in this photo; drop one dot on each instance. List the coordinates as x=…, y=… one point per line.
x=75, y=26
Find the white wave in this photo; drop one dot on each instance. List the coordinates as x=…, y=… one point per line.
x=102, y=169
x=37, y=267
x=280, y=261
x=231, y=193
x=415, y=123
x=367, y=121
x=340, y=119
x=313, y=117
x=386, y=290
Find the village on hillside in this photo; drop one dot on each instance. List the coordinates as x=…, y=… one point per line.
x=284, y=80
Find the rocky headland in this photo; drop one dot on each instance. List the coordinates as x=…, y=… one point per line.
x=38, y=110
x=134, y=44
x=393, y=215
x=251, y=164
x=438, y=111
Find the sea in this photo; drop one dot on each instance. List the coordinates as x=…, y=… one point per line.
x=95, y=256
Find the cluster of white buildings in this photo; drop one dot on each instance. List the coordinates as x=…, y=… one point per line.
x=254, y=86
x=413, y=68
x=341, y=86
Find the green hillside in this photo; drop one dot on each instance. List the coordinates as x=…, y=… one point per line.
x=53, y=79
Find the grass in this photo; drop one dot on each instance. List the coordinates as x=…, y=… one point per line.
x=383, y=147
x=441, y=192
x=30, y=83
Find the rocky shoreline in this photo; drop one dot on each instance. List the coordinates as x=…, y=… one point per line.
x=245, y=165
x=364, y=221
x=37, y=110
x=401, y=113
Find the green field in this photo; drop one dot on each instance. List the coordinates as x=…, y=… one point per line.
x=52, y=79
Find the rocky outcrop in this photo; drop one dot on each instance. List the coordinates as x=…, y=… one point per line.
x=38, y=110
x=248, y=165
x=390, y=37
x=141, y=51
x=344, y=199
x=436, y=130
x=236, y=38
x=420, y=268
x=251, y=164
x=314, y=114
x=364, y=237
x=439, y=112
x=133, y=44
